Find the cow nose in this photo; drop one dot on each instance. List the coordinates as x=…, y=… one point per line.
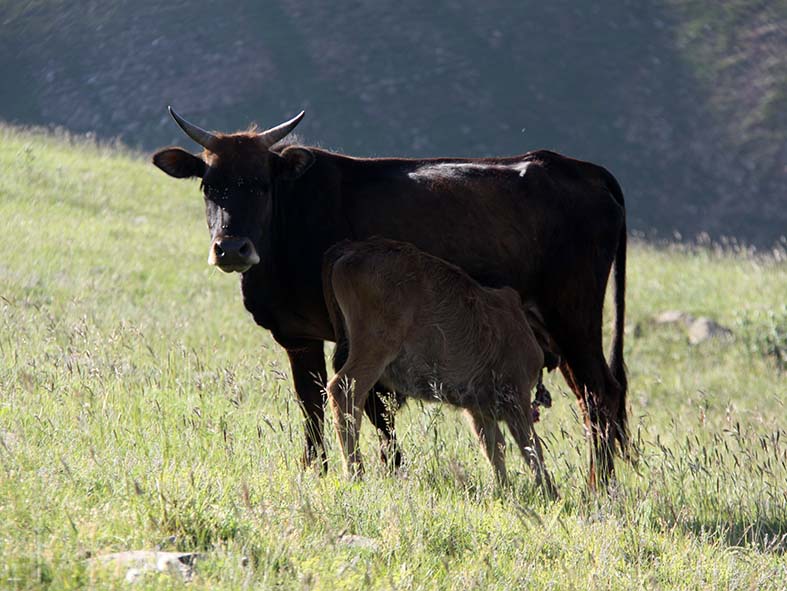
x=232, y=253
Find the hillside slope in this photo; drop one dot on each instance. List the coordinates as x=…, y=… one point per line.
x=140, y=407
x=683, y=100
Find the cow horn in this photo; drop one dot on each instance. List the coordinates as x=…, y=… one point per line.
x=274, y=134
x=199, y=135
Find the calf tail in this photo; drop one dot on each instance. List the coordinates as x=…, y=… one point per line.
x=616, y=364
x=332, y=255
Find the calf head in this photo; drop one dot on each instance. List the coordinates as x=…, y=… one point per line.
x=239, y=172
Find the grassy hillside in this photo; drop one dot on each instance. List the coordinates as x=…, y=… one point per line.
x=139, y=406
x=684, y=100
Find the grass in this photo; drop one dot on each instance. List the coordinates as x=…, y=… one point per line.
x=140, y=407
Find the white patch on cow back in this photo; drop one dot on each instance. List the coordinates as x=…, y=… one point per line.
x=446, y=170
x=452, y=170
x=521, y=167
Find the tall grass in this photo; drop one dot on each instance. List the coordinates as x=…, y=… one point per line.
x=140, y=408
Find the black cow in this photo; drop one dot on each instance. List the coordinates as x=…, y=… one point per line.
x=548, y=226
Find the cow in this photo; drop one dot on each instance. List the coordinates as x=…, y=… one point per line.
x=548, y=226
x=422, y=327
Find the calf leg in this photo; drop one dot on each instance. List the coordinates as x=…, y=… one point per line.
x=381, y=416
x=519, y=421
x=492, y=442
x=347, y=393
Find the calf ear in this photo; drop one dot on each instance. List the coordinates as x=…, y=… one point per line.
x=295, y=161
x=179, y=163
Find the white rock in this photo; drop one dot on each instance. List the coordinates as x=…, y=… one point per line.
x=359, y=541
x=138, y=562
x=674, y=317
x=134, y=574
x=703, y=329
x=8, y=440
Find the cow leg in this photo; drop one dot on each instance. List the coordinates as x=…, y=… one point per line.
x=307, y=362
x=598, y=395
x=347, y=394
x=380, y=414
x=492, y=442
x=574, y=323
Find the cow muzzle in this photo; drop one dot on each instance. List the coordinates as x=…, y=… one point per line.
x=233, y=254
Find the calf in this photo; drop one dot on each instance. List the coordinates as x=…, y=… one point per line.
x=424, y=328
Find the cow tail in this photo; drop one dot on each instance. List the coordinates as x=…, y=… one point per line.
x=616, y=363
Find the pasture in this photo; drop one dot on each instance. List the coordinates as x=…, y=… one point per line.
x=140, y=407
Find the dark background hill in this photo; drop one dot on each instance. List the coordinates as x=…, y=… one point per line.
x=684, y=101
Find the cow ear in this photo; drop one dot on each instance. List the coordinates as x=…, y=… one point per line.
x=179, y=163
x=295, y=161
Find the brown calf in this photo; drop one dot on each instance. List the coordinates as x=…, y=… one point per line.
x=424, y=328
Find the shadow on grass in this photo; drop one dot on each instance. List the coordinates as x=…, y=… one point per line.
x=764, y=535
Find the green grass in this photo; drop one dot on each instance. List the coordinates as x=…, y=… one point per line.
x=139, y=405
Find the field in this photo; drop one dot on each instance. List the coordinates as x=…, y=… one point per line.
x=140, y=408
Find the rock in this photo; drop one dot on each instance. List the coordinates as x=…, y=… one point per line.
x=139, y=562
x=703, y=329
x=700, y=329
x=134, y=574
x=8, y=440
x=358, y=541
x=674, y=317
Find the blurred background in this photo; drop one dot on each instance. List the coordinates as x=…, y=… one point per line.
x=684, y=101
